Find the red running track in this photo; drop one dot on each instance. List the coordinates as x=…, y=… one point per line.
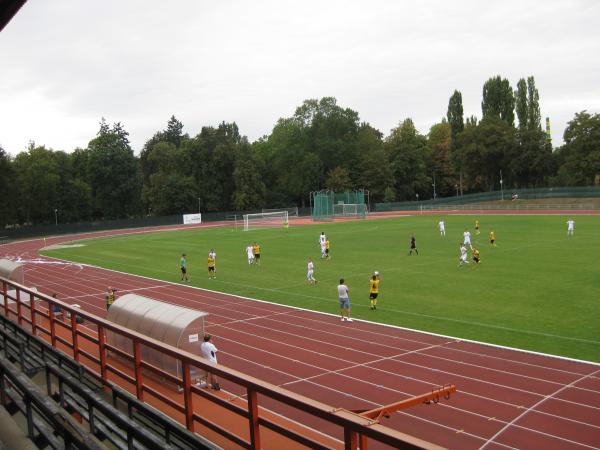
x=506, y=399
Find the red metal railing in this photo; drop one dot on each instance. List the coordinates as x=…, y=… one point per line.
x=87, y=343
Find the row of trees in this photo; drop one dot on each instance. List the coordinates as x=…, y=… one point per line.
x=322, y=146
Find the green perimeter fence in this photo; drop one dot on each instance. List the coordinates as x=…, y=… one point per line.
x=327, y=205
x=463, y=201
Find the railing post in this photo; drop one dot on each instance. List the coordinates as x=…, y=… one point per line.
x=137, y=361
x=102, y=351
x=32, y=310
x=187, y=396
x=74, y=337
x=253, y=419
x=52, y=320
x=350, y=439
x=19, y=313
x=5, y=294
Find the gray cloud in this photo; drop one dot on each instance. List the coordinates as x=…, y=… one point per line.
x=66, y=64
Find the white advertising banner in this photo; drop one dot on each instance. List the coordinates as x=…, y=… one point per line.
x=189, y=219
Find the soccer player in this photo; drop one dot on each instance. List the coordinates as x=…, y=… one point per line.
x=256, y=251
x=250, y=254
x=209, y=351
x=324, y=249
x=343, y=295
x=322, y=238
x=109, y=297
x=442, y=226
x=570, y=227
x=467, y=239
x=463, y=255
x=183, y=265
x=327, y=254
x=213, y=254
x=477, y=227
x=476, y=258
x=310, y=271
x=373, y=291
x=492, y=238
x=413, y=246
x=211, y=267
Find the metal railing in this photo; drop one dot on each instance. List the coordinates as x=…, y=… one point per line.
x=83, y=336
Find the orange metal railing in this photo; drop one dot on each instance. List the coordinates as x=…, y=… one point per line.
x=86, y=342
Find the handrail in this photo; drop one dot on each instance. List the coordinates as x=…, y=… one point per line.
x=38, y=315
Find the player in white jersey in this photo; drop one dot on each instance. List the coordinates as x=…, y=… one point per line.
x=467, y=239
x=570, y=227
x=322, y=238
x=442, y=226
x=310, y=271
x=250, y=254
x=324, y=249
x=463, y=255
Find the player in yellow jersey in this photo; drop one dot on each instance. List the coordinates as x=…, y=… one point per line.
x=327, y=254
x=492, y=238
x=211, y=267
x=373, y=291
x=477, y=227
x=476, y=257
x=256, y=251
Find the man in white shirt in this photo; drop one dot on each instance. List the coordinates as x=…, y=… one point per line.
x=209, y=351
x=570, y=227
x=343, y=295
x=463, y=255
x=442, y=226
x=250, y=254
x=322, y=239
x=467, y=239
x=310, y=269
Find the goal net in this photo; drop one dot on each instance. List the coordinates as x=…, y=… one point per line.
x=349, y=210
x=272, y=219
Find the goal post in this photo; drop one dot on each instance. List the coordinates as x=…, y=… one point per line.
x=349, y=210
x=292, y=211
x=274, y=219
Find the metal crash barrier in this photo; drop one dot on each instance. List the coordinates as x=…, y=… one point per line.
x=87, y=343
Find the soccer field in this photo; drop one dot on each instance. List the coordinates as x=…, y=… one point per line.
x=537, y=290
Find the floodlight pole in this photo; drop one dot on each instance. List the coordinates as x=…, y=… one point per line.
x=198, y=205
x=56, y=216
x=434, y=194
x=501, y=187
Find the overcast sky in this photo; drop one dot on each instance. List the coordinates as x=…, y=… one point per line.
x=64, y=64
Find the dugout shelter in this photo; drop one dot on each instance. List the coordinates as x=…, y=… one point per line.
x=175, y=325
x=12, y=271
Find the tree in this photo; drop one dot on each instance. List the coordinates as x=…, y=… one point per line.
x=580, y=156
x=406, y=150
x=521, y=105
x=455, y=115
x=534, y=118
x=484, y=150
x=438, y=142
x=249, y=189
x=338, y=180
x=375, y=173
x=498, y=100
x=113, y=173
x=38, y=185
x=7, y=190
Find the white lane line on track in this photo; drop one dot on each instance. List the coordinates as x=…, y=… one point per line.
x=531, y=408
x=359, y=380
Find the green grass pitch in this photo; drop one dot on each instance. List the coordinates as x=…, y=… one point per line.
x=537, y=290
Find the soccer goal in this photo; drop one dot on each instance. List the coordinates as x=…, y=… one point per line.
x=349, y=210
x=273, y=219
